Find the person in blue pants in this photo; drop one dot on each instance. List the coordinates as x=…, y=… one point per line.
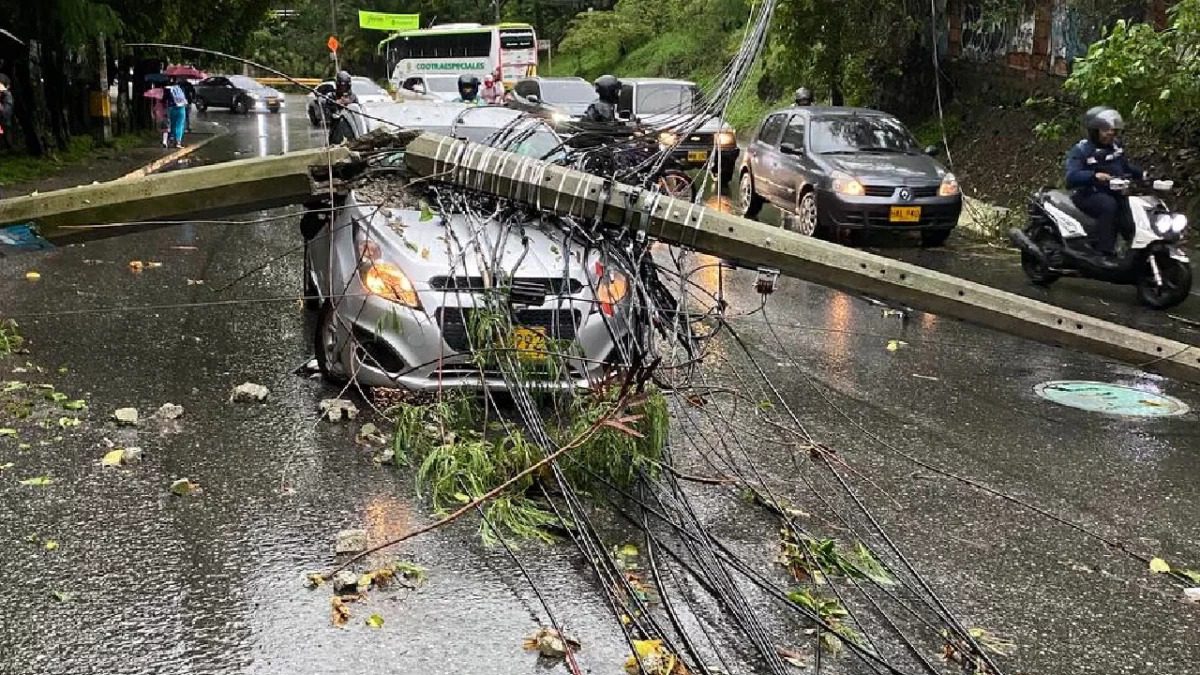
x=176, y=114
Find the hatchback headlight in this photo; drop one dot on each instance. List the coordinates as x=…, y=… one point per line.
x=949, y=186
x=560, y=118
x=668, y=138
x=845, y=184
x=390, y=282
x=725, y=139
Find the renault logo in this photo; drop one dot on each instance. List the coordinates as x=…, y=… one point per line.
x=905, y=195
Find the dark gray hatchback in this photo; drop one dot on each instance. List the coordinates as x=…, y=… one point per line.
x=835, y=170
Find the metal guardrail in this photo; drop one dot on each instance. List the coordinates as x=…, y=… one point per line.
x=281, y=81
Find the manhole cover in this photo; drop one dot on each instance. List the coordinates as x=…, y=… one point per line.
x=1112, y=399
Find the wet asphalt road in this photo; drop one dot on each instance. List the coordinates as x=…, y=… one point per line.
x=213, y=583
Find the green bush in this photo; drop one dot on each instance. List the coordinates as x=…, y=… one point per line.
x=1152, y=75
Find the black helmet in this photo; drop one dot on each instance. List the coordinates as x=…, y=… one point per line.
x=468, y=87
x=803, y=96
x=608, y=88
x=343, y=78
x=1102, y=118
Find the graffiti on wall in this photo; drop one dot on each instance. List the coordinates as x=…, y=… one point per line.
x=987, y=36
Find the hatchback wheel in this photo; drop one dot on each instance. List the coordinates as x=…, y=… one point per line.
x=328, y=346
x=804, y=221
x=201, y=104
x=749, y=203
x=241, y=107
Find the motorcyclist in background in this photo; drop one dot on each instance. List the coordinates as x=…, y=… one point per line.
x=604, y=110
x=468, y=90
x=343, y=95
x=1091, y=165
x=803, y=97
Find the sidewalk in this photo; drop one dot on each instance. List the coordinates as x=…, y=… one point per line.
x=113, y=163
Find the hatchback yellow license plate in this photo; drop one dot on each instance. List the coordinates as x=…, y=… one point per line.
x=697, y=155
x=905, y=214
x=530, y=343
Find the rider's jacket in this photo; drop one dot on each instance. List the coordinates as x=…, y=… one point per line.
x=1086, y=159
x=600, y=111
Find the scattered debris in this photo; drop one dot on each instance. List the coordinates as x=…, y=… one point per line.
x=38, y=481
x=369, y=433
x=335, y=409
x=195, y=282
x=1159, y=566
x=345, y=582
x=184, y=487
x=931, y=378
x=351, y=541
x=340, y=613
x=152, y=265
x=50, y=545
x=315, y=579
x=791, y=656
x=8, y=431
x=1191, y=595
x=126, y=416
x=550, y=643
x=375, y=621
x=169, y=411
x=6, y=465
x=76, y=405
x=32, y=276
x=654, y=658
x=248, y=391
x=121, y=456
x=896, y=345
x=63, y=596
x=136, y=265
x=68, y=422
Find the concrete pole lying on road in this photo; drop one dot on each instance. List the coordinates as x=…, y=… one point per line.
x=573, y=193
x=62, y=216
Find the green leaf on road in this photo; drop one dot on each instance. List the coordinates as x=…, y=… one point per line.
x=6, y=465
x=113, y=457
x=184, y=487
x=78, y=404
x=62, y=370
x=8, y=432
x=66, y=422
x=375, y=621
x=1192, y=576
x=63, y=596
x=12, y=386
x=56, y=396
x=38, y=481
x=51, y=545
x=1159, y=566
x=426, y=212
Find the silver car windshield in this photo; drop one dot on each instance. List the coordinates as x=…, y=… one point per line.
x=366, y=88
x=443, y=85
x=659, y=99
x=849, y=134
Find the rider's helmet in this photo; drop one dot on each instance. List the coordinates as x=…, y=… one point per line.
x=1102, y=118
x=608, y=88
x=341, y=83
x=803, y=96
x=468, y=87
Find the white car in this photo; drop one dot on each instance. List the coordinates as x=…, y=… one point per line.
x=401, y=292
x=366, y=91
x=428, y=88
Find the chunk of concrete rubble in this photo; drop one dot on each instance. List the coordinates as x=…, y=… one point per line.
x=337, y=409
x=248, y=391
x=345, y=582
x=126, y=416
x=351, y=541
x=169, y=411
x=1192, y=595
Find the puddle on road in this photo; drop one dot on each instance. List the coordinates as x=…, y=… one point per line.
x=1110, y=399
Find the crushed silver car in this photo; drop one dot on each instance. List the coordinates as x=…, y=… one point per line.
x=405, y=285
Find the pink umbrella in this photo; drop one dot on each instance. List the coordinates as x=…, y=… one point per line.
x=156, y=93
x=190, y=72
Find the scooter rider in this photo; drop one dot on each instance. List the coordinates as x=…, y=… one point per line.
x=604, y=110
x=468, y=90
x=804, y=97
x=1091, y=165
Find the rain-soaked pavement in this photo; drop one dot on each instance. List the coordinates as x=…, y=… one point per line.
x=145, y=582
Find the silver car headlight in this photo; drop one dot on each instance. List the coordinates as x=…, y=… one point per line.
x=1162, y=224
x=388, y=281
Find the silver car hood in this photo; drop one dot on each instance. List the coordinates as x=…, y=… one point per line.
x=463, y=246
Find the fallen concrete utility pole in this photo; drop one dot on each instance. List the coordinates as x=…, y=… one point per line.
x=574, y=193
x=223, y=189
x=295, y=178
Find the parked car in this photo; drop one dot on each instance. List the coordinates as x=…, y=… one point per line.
x=558, y=99
x=671, y=106
x=366, y=91
x=239, y=93
x=395, y=300
x=837, y=169
x=428, y=88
